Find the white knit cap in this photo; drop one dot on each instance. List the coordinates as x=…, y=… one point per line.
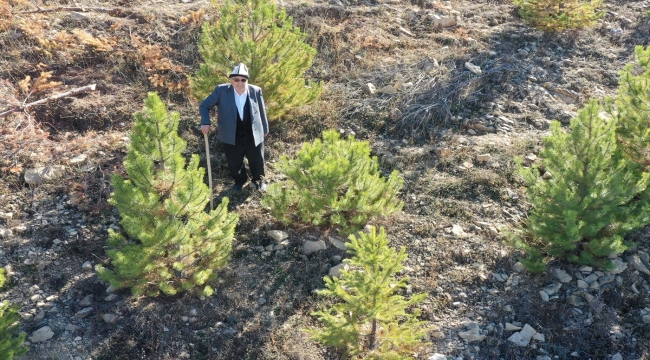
x=240, y=70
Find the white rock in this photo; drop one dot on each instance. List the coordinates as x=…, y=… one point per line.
x=337, y=243
x=522, y=338
x=511, y=327
x=87, y=265
x=552, y=289
x=444, y=21
x=277, y=235
x=369, y=89
x=562, y=275
x=41, y=335
x=6, y=215
x=335, y=271
x=473, y=68
x=86, y=301
x=646, y=319
x=458, y=231
x=617, y=356
x=5, y=233
x=544, y=295
x=637, y=264
x=539, y=337
x=472, y=335
x=109, y=318
x=582, y=284
x=310, y=247
x=483, y=157
x=586, y=269
x=78, y=159
x=518, y=267
x=437, y=356
x=37, y=176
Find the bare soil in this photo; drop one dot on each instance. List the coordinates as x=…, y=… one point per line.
x=432, y=131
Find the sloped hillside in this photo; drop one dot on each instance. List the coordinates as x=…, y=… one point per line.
x=457, y=90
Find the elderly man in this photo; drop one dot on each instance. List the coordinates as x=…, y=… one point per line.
x=241, y=124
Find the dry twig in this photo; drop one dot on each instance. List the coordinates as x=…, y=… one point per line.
x=77, y=91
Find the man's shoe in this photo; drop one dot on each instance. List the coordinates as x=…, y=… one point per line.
x=237, y=187
x=261, y=186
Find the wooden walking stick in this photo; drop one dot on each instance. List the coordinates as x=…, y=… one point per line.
x=207, y=157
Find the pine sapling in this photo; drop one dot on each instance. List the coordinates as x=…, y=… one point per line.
x=632, y=109
x=11, y=342
x=372, y=320
x=593, y=199
x=557, y=15
x=169, y=243
x=264, y=38
x=333, y=182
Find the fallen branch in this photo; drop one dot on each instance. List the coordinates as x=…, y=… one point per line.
x=77, y=91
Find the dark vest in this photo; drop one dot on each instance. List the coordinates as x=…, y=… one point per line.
x=245, y=125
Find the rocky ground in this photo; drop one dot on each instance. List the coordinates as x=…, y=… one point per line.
x=457, y=90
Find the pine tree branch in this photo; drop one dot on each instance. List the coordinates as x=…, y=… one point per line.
x=77, y=91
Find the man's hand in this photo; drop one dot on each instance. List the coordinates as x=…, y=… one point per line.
x=205, y=129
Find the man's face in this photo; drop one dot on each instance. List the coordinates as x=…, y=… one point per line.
x=239, y=83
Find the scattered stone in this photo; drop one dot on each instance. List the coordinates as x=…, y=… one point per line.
x=562, y=275
x=311, y=247
x=473, y=68
x=388, y=89
x=78, y=159
x=71, y=328
x=277, y=235
x=443, y=21
x=539, y=337
x=518, y=267
x=500, y=277
x=617, y=356
x=575, y=354
x=37, y=176
x=582, y=284
x=40, y=315
x=337, y=243
x=6, y=215
x=5, y=233
x=606, y=279
x=438, y=335
x=335, y=271
x=109, y=318
x=86, y=301
x=110, y=297
x=261, y=301
x=437, y=356
x=575, y=300
x=544, y=295
x=473, y=334
x=619, y=266
x=511, y=327
x=87, y=265
x=369, y=89
x=552, y=289
x=586, y=269
x=483, y=157
x=458, y=231
x=646, y=319
x=522, y=338
x=543, y=357
x=83, y=313
x=507, y=308
x=591, y=279
x=637, y=264
x=41, y=335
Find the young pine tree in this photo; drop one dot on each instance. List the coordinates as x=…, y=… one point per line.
x=11, y=342
x=263, y=37
x=372, y=321
x=633, y=109
x=557, y=15
x=170, y=244
x=590, y=203
x=333, y=181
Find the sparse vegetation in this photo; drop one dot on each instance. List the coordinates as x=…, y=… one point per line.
x=557, y=15
x=371, y=321
x=262, y=36
x=589, y=201
x=333, y=182
x=170, y=244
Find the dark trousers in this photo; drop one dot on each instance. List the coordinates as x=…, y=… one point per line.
x=245, y=146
